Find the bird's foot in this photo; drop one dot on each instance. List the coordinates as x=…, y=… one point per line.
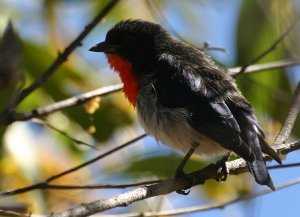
x=179, y=174
x=223, y=170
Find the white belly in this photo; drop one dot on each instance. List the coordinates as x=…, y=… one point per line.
x=171, y=127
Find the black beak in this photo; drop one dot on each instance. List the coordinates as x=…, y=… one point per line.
x=104, y=47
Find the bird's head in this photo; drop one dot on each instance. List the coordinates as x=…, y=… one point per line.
x=131, y=47
x=136, y=41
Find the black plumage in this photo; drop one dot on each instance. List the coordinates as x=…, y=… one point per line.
x=184, y=79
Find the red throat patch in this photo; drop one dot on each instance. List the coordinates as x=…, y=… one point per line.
x=124, y=68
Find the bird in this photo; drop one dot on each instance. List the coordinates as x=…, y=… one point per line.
x=183, y=98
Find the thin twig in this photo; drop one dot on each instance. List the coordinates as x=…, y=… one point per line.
x=77, y=141
x=282, y=166
x=73, y=101
x=100, y=186
x=43, y=184
x=289, y=120
x=76, y=100
x=271, y=48
x=62, y=57
x=264, y=66
x=207, y=47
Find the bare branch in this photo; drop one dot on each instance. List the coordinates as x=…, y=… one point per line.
x=79, y=142
x=284, y=166
x=264, y=66
x=44, y=184
x=61, y=58
x=76, y=100
x=208, y=207
x=289, y=120
x=207, y=47
x=271, y=48
x=100, y=186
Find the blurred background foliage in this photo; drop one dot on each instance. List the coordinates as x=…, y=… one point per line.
x=40, y=29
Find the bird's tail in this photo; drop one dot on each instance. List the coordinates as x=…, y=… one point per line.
x=253, y=136
x=260, y=173
x=258, y=166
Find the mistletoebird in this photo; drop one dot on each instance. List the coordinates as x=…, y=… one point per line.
x=182, y=98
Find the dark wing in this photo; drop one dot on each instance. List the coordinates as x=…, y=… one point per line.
x=209, y=114
x=248, y=122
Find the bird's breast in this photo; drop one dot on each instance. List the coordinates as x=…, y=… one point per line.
x=124, y=69
x=171, y=125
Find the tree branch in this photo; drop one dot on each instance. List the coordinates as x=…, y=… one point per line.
x=66, y=135
x=100, y=186
x=73, y=101
x=284, y=166
x=62, y=57
x=289, y=120
x=264, y=66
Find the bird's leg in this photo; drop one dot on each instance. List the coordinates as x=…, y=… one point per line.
x=179, y=171
x=223, y=172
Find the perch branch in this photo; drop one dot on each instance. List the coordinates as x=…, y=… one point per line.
x=208, y=207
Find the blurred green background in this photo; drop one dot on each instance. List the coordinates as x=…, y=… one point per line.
x=31, y=151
